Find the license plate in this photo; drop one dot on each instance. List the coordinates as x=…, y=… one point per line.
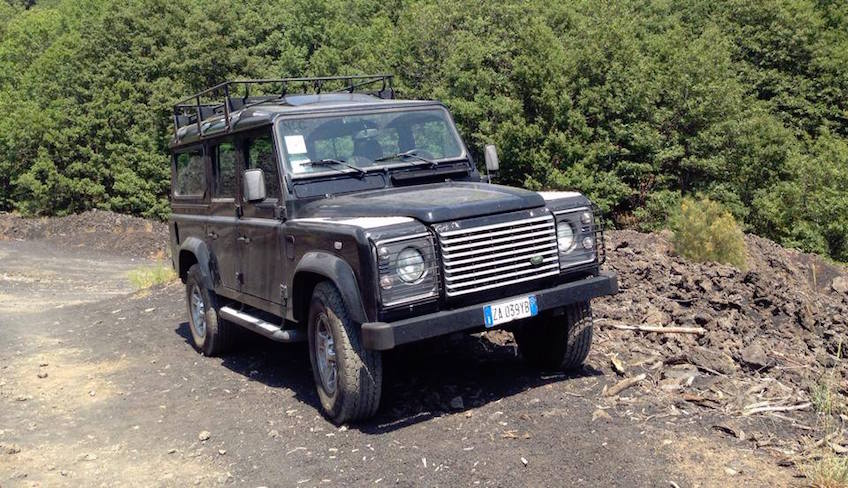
x=509, y=310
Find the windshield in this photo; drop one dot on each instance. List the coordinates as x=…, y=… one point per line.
x=368, y=140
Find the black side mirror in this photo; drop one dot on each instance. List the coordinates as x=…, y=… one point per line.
x=492, y=162
x=254, y=185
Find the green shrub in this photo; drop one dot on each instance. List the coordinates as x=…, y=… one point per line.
x=148, y=276
x=705, y=231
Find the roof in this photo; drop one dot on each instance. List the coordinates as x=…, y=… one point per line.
x=266, y=112
x=229, y=106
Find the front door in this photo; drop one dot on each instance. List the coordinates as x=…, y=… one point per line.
x=260, y=226
x=221, y=229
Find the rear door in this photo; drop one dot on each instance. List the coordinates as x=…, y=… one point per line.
x=260, y=225
x=222, y=229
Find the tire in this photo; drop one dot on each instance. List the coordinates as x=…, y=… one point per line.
x=358, y=372
x=550, y=344
x=214, y=335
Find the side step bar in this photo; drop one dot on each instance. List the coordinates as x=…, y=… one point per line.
x=267, y=329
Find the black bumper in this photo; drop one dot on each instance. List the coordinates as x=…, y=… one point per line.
x=382, y=335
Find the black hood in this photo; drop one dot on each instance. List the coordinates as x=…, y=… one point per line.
x=427, y=203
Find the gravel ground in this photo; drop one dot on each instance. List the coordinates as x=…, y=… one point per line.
x=99, y=386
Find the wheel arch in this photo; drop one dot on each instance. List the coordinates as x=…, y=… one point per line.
x=316, y=267
x=194, y=251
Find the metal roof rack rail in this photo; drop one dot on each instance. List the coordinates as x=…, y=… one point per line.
x=226, y=97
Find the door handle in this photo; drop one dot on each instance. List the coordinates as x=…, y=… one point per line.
x=212, y=235
x=244, y=239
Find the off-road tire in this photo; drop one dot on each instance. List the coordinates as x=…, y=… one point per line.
x=220, y=335
x=557, y=342
x=359, y=375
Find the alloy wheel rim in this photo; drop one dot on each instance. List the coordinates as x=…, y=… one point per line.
x=325, y=352
x=198, y=312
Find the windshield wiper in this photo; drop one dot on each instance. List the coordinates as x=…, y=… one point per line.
x=407, y=154
x=337, y=162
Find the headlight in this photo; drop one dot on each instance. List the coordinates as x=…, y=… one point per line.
x=410, y=265
x=578, y=234
x=565, y=237
x=407, y=269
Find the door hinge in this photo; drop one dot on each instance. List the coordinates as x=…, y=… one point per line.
x=284, y=295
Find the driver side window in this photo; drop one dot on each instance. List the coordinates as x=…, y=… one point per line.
x=259, y=153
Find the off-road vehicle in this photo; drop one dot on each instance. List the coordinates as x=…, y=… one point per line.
x=359, y=222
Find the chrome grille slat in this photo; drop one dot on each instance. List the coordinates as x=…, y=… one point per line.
x=485, y=250
x=454, y=279
x=545, y=252
x=483, y=257
x=512, y=252
x=494, y=226
x=510, y=238
x=450, y=242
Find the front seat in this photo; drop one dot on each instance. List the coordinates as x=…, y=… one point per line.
x=368, y=148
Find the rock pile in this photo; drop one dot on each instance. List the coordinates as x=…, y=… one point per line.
x=761, y=340
x=95, y=230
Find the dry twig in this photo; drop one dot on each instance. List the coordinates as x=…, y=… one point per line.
x=624, y=384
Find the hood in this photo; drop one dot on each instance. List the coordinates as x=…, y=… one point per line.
x=427, y=203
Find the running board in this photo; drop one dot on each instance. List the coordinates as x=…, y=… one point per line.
x=267, y=329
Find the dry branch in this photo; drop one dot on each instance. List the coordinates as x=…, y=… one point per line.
x=777, y=408
x=655, y=328
x=624, y=384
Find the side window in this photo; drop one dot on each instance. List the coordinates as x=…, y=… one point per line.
x=224, y=169
x=190, y=173
x=260, y=154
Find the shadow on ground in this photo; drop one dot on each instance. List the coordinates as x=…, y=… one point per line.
x=421, y=381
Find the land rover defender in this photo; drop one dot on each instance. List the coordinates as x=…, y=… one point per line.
x=358, y=222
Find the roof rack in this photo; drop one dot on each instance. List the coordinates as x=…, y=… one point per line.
x=227, y=99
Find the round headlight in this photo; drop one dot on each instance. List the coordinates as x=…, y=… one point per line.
x=565, y=237
x=410, y=265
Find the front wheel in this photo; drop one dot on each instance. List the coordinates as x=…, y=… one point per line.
x=557, y=342
x=210, y=334
x=348, y=377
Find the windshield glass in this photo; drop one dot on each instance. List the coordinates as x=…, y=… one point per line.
x=360, y=140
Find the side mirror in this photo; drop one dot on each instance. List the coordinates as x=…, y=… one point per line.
x=254, y=185
x=492, y=162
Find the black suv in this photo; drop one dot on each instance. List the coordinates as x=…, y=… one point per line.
x=358, y=222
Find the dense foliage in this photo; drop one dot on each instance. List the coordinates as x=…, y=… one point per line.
x=706, y=231
x=637, y=102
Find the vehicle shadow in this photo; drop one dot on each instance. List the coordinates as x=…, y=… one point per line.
x=421, y=381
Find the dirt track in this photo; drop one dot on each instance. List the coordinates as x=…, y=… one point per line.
x=125, y=399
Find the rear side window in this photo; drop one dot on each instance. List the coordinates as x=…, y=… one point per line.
x=260, y=154
x=190, y=173
x=224, y=169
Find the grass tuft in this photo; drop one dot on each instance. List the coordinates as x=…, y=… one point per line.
x=831, y=471
x=149, y=276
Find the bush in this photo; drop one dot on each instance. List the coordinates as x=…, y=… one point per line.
x=705, y=231
x=149, y=276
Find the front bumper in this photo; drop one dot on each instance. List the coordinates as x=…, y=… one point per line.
x=382, y=335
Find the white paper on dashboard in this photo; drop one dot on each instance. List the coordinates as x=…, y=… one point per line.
x=295, y=144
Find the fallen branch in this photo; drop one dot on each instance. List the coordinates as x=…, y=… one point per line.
x=624, y=384
x=777, y=408
x=655, y=328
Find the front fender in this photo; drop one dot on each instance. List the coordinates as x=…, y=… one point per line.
x=336, y=270
x=195, y=250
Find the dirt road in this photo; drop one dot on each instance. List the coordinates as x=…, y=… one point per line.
x=100, y=387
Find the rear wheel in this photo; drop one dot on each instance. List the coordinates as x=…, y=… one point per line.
x=210, y=334
x=348, y=377
x=557, y=342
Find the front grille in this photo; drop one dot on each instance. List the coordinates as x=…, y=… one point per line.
x=482, y=257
